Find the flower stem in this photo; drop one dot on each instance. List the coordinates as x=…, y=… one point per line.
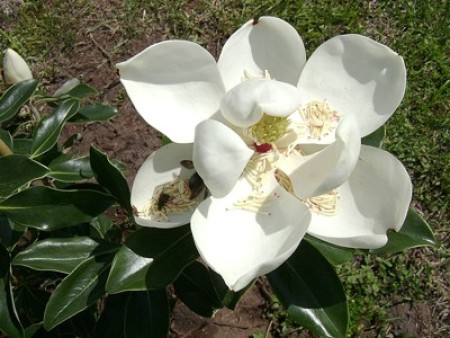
x=4, y=149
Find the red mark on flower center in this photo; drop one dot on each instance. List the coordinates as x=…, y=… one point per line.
x=262, y=148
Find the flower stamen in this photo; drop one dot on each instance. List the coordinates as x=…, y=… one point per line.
x=326, y=204
x=170, y=199
x=320, y=119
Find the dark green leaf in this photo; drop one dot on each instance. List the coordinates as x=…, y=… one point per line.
x=195, y=289
x=310, y=290
x=228, y=298
x=4, y=260
x=415, y=232
x=93, y=113
x=165, y=140
x=15, y=97
x=67, y=169
x=49, y=128
x=60, y=254
x=30, y=302
x=128, y=272
x=171, y=249
x=5, y=136
x=335, y=254
x=7, y=324
x=80, y=91
x=100, y=226
x=376, y=139
x=22, y=145
x=16, y=171
x=124, y=313
x=111, y=178
x=83, y=287
x=49, y=209
x=31, y=330
x=9, y=233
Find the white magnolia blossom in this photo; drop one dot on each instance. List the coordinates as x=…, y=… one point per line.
x=15, y=68
x=275, y=139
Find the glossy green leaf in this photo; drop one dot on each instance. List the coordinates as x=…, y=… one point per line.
x=80, y=91
x=142, y=314
x=414, y=233
x=228, y=298
x=93, y=113
x=336, y=255
x=128, y=272
x=171, y=249
x=66, y=169
x=22, y=146
x=110, y=177
x=60, y=254
x=45, y=208
x=49, y=128
x=100, y=226
x=376, y=139
x=15, y=97
x=195, y=289
x=16, y=171
x=5, y=136
x=309, y=288
x=83, y=287
x=7, y=324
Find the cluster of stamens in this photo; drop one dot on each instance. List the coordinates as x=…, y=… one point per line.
x=170, y=198
x=320, y=119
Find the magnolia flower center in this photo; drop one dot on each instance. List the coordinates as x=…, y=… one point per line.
x=171, y=198
x=269, y=129
x=320, y=119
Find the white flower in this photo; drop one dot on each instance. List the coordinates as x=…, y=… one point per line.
x=15, y=68
x=276, y=140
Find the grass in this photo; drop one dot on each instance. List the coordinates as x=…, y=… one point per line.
x=418, y=133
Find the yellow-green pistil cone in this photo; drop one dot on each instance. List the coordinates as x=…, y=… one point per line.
x=270, y=129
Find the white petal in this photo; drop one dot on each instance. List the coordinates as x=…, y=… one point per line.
x=174, y=85
x=159, y=168
x=220, y=156
x=271, y=44
x=15, y=68
x=375, y=198
x=356, y=75
x=330, y=167
x=242, y=245
x=245, y=104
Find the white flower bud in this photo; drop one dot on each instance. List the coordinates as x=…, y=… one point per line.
x=15, y=68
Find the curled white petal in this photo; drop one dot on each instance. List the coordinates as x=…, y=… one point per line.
x=173, y=85
x=271, y=44
x=374, y=199
x=220, y=156
x=15, y=68
x=161, y=167
x=358, y=76
x=330, y=167
x=245, y=104
x=242, y=245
